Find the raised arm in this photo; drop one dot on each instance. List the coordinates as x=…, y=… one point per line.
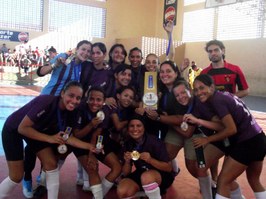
x=168, y=27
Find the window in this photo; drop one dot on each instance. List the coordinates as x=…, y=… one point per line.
x=22, y=15
x=190, y=2
x=242, y=20
x=198, y=25
x=75, y=19
x=156, y=45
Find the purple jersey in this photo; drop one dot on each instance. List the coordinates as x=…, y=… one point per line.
x=43, y=111
x=227, y=103
x=102, y=78
x=151, y=144
x=85, y=116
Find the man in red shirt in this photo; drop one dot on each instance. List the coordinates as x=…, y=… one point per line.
x=226, y=76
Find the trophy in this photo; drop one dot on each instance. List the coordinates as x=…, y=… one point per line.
x=150, y=97
x=62, y=148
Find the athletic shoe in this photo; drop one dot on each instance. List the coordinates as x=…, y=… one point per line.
x=27, y=188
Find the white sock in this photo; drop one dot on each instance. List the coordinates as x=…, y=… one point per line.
x=205, y=187
x=152, y=190
x=60, y=163
x=106, y=185
x=236, y=194
x=6, y=187
x=260, y=195
x=43, y=178
x=217, y=196
x=175, y=166
x=79, y=171
x=52, y=181
x=97, y=191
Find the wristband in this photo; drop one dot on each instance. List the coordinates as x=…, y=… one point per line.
x=158, y=118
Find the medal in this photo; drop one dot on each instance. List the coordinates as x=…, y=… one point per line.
x=184, y=126
x=99, y=144
x=62, y=148
x=135, y=155
x=100, y=115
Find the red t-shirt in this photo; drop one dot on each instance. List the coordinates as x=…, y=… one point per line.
x=227, y=78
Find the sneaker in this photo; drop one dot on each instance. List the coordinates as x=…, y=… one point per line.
x=39, y=191
x=27, y=189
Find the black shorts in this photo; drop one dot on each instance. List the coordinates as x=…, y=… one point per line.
x=167, y=179
x=109, y=147
x=251, y=150
x=13, y=144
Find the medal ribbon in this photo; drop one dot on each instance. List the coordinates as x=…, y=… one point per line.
x=169, y=45
x=61, y=122
x=77, y=70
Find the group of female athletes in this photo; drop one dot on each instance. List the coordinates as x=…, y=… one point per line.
x=94, y=109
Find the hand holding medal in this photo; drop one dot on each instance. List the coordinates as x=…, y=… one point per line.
x=62, y=148
x=100, y=115
x=135, y=155
x=99, y=144
x=184, y=126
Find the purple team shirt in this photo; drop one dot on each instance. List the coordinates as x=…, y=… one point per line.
x=225, y=103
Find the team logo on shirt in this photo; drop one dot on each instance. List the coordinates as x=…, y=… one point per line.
x=227, y=78
x=40, y=113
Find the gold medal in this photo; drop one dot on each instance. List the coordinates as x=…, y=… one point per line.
x=184, y=126
x=100, y=115
x=135, y=155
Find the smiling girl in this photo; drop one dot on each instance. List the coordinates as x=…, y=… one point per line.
x=41, y=124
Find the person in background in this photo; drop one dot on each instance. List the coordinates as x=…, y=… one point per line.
x=148, y=154
x=186, y=71
x=3, y=51
x=197, y=70
x=226, y=76
x=26, y=64
x=244, y=140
